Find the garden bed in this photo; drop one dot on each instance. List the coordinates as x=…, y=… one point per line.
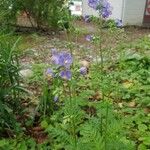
x=101, y=107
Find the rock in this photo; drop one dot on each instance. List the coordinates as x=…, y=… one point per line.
x=147, y=110
x=35, y=52
x=127, y=84
x=132, y=104
x=132, y=54
x=120, y=105
x=85, y=63
x=26, y=73
x=98, y=59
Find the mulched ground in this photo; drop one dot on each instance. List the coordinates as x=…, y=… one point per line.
x=40, y=46
x=37, y=50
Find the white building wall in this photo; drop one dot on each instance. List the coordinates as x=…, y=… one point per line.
x=117, y=11
x=133, y=12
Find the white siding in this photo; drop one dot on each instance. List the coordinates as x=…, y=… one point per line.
x=130, y=11
x=133, y=12
x=117, y=9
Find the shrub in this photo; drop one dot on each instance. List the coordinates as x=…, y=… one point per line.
x=44, y=12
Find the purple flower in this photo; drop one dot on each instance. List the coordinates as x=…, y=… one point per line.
x=56, y=98
x=65, y=59
x=55, y=58
x=83, y=70
x=89, y=38
x=93, y=4
x=86, y=18
x=49, y=72
x=102, y=6
x=66, y=74
x=106, y=9
x=62, y=59
x=118, y=23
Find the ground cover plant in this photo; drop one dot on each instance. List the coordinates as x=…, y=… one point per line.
x=73, y=96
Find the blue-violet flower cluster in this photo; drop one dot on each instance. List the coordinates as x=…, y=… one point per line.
x=49, y=72
x=87, y=18
x=102, y=6
x=64, y=60
x=89, y=38
x=118, y=23
x=83, y=70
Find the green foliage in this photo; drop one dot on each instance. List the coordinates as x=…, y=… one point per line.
x=9, y=84
x=44, y=13
x=133, y=73
x=22, y=144
x=132, y=77
x=81, y=124
x=94, y=111
x=72, y=128
x=139, y=131
x=38, y=74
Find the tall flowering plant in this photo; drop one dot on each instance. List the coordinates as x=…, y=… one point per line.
x=55, y=77
x=104, y=9
x=80, y=94
x=59, y=79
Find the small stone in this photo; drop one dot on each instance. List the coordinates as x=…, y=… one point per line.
x=85, y=63
x=26, y=73
x=132, y=54
x=147, y=110
x=127, y=84
x=120, y=105
x=99, y=60
x=132, y=104
x=116, y=111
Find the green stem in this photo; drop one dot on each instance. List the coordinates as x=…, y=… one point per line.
x=101, y=56
x=106, y=127
x=100, y=48
x=73, y=121
x=101, y=125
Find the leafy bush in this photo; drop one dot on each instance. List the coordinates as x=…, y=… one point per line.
x=44, y=13
x=9, y=84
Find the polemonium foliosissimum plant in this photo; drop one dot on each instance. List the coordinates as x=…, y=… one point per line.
x=104, y=9
x=75, y=122
x=55, y=75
